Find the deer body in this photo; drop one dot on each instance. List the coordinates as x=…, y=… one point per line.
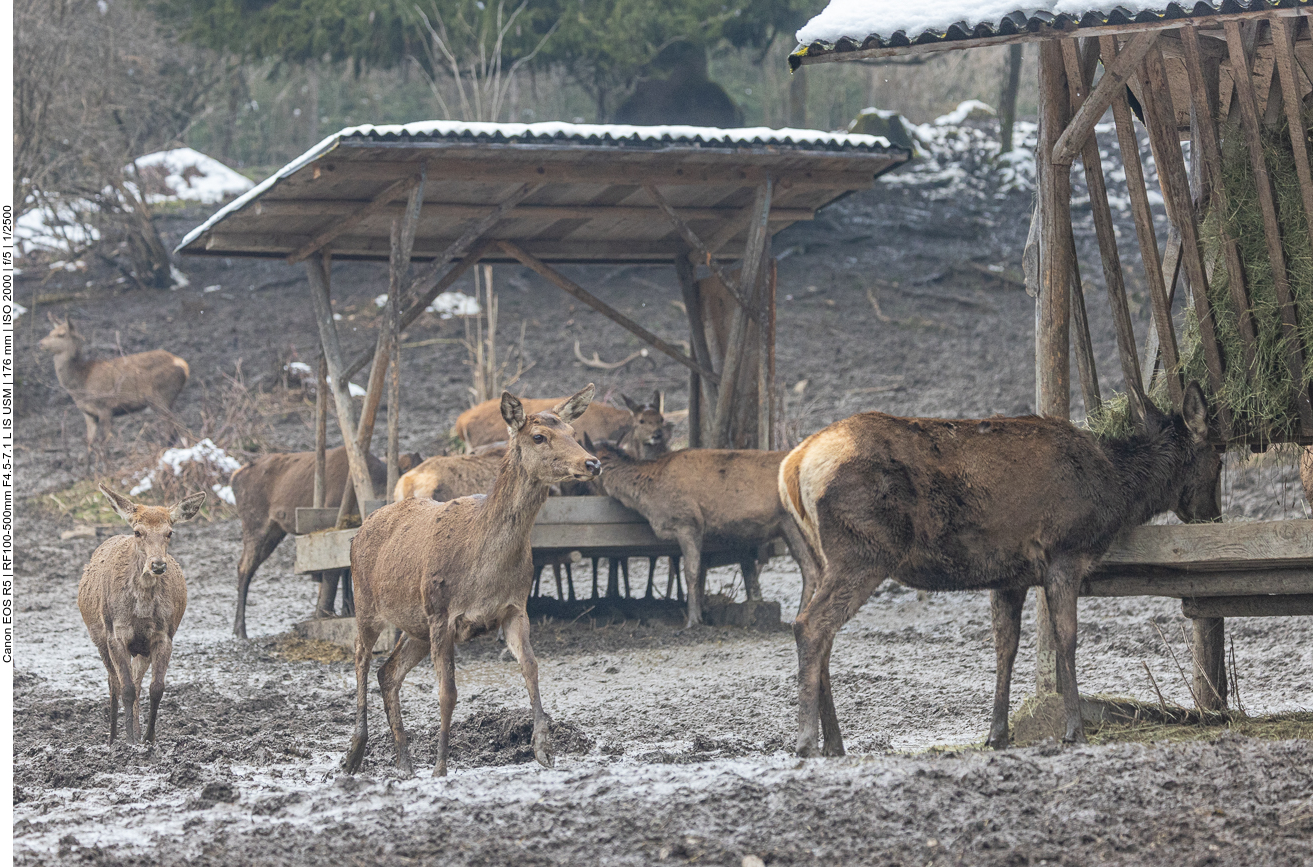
x=104, y=388
x=707, y=498
x=1002, y=504
x=447, y=477
x=132, y=597
x=444, y=572
x=483, y=424
x=268, y=492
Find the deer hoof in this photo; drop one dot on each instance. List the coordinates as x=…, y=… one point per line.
x=440, y=770
x=808, y=751
x=355, y=756
x=542, y=751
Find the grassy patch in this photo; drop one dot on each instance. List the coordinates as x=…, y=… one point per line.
x=1278, y=727
x=294, y=648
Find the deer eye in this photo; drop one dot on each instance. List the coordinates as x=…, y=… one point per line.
x=539, y=439
x=168, y=535
x=138, y=533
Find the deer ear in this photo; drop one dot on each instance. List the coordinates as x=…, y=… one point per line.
x=572, y=407
x=588, y=443
x=125, y=508
x=633, y=407
x=50, y=314
x=1194, y=409
x=659, y=401
x=187, y=509
x=512, y=412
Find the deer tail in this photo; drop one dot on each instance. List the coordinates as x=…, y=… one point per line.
x=794, y=495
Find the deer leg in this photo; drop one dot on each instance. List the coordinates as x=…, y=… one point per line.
x=751, y=586
x=697, y=573
x=140, y=665
x=538, y=580
x=366, y=636
x=160, y=651
x=256, y=548
x=517, y=639
x=612, y=577
x=595, y=577
x=122, y=659
x=327, y=597
x=624, y=571
x=114, y=689
x=814, y=631
x=348, y=594
x=1062, y=585
x=672, y=580
x=444, y=664
x=805, y=558
x=569, y=580
x=556, y=572
x=831, y=737
x=405, y=656
x=651, y=578
x=1005, y=610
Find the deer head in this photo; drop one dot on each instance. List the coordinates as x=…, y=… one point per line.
x=649, y=427
x=1198, y=452
x=63, y=338
x=543, y=444
x=152, y=527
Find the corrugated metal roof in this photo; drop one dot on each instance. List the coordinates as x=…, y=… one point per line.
x=846, y=26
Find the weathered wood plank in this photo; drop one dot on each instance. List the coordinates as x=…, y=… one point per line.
x=1053, y=340
x=341, y=227
x=1294, y=605
x=1283, y=41
x=587, y=510
x=1208, y=659
x=1255, y=544
x=313, y=520
x=1117, y=72
x=281, y=209
x=1178, y=584
x=583, y=536
x=327, y=549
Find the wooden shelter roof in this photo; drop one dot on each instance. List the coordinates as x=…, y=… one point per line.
x=857, y=29
x=577, y=191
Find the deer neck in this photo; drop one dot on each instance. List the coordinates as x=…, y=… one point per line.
x=1145, y=468
x=513, y=505
x=71, y=368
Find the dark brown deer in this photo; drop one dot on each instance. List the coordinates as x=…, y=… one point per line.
x=104, y=388
x=132, y=597
x=1000, y=504
x=707, y=499
x=482, y=424
x=445, y=572
x=268, y=492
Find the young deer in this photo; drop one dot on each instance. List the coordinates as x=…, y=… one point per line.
x=132, y=596
x=444, y=572
x=447, y=477
x=708, y=498
x=268, y=492
x=482, y=424
x=104, y=388
x=1000, y=504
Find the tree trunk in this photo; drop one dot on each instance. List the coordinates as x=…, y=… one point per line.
x=1007, y=101
x=798, y=98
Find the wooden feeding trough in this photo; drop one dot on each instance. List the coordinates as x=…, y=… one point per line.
x=1197, y=73
x=446, y=195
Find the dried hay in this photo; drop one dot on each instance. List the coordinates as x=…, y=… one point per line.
x=1261, y=402
x=293, y=648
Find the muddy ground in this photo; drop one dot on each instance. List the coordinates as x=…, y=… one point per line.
x=672, y=746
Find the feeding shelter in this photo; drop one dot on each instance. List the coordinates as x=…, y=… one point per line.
x=446, y=195
x=1233, y=79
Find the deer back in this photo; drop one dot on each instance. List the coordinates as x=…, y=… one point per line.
x=447, y=477
x=483, y=424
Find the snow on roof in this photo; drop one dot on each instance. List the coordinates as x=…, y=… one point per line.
x=900, y=22
x=556, y=132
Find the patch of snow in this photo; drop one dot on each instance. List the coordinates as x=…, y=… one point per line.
x=298, y=367
x=225, y=493
x=381, y=300
x=180, y=280
x=18, y=309
x=354, y=390
x=966, y=109
x=215, y=288
x=56, y=225
x=450, y=304
x=183, y=174
x=858, y=19
x=204, y=452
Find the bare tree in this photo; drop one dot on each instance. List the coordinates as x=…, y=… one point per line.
x=472, y=58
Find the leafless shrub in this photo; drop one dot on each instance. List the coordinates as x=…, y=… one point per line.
x=488, y=376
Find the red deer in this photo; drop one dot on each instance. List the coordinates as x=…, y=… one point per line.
x=447, y=477
x=482, y=424
x=132, y=597
x=1000, y=504
x=445, y=572
x=268, y=492
x=104, y=388
x=705, y=499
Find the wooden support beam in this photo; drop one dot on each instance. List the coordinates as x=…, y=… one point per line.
x=1283, y=42
x=702, y=393
x=766, y=362
x=1249, y=122
x=1053, y=344
x=1116, y=72
x=323, y=208
x=1104, y=230
x=1208, y=656
x=758, y=234
x=341, y=227
x=1160, y=118
x=1295, y=605
x=1085, y=363
x=571, y=288
x=1144, y=230
x=321, y=434
x=1179, y=584
x=695, y=242
x=1214, y=547
x=1207, y=152
x=317, y=269
x=1171, y=275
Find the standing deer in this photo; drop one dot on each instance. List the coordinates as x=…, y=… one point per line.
x=482, y=424
x=132, y=597
x=445, y=572
x=1002, y=504
x=268, y=492
x=104, y=388
x=708, y=499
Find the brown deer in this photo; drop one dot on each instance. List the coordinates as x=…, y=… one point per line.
x=268, y=492
x=447, y=477
x=132, y=597
x=104, y=388
x=708, y=499
x=1000, y=504
x=482, y=424
x=444, y=572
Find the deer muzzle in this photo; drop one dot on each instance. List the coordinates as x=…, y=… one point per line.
x=157, y=567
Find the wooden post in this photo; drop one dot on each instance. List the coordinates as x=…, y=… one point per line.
x=317, y=268
x=1283, y=41
x=701, y=392
x=1055, y=254
x=1210, y=662
x=394, y=417
x=1144, y=229
x=321, y=433
x=758, y=232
